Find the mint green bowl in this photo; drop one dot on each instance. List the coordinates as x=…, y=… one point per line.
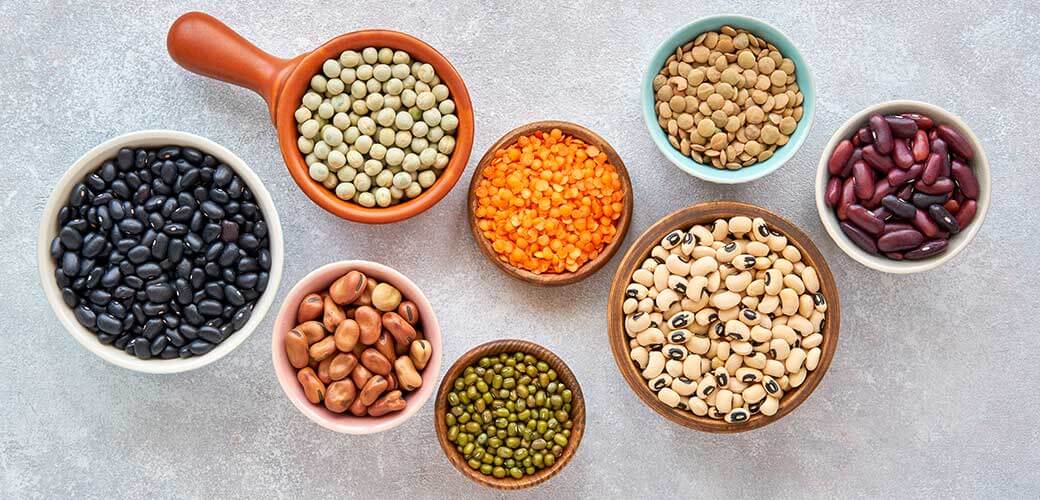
x=762, y=30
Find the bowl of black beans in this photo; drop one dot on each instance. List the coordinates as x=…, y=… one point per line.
x=160, y=251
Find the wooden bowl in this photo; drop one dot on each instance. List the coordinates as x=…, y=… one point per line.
x=702, y=213
x=590, y=267
x=204, y=45
x=497, y=347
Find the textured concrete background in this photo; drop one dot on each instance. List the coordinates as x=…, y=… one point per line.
x=931, y=393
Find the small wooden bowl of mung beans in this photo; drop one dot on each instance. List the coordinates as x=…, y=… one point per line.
x=550, y=203
x=510, y=414
x=728, y=98
x=723, y=317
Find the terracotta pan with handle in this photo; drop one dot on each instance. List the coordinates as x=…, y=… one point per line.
x=204, y=45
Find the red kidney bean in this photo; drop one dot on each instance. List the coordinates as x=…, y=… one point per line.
x=922, y=121
x=860, y=238
x=940, y=148
x=898, y=177
x=932, y=169
x=941, y=186
x=952, y=206
x=901, y=126
x=877, y=160
x=857, y=155
x=944, y=219
x=928, y=249
x=865, y=220
x=956, y=141
x=966, y=213
x=833, y=193
x=899, y=240
x=898, y=207
x=921, y=147
x=966, y=180
x=924, y=224
x=864, y=180
x=923, y=201
x=933, y=134
x=840, y=156
x=882, y=213
x=894, y=255
x=882, y=134
x=895, y=226
x=881, y=189
x=906, y=192
x=848, y=197
x=902, y=155
x=864, y=136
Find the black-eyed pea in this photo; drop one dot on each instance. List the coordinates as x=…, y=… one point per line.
x=636, y=291
x=703, y=266
x=678, y=283
x=698, y=407
x=673, y=367
x=740, y=225
x=684, y=386
x=735, y=329
x=784, y=266
x=742, y=348
x=756, y=288
x=635, y=323
x=665, y=299
x=722, y=350
x=774, y=368
x=706, y=316
x=800, y=324
x=646, y=305
x=793, y=282
x=733, y=362
x=725, y=271
x=720, y=229
x=749, y=302
x=691, y=368
x=735, y=385
x=643, y=277
x=744, y=261
x=780, y=320
x=774, y=281
x=760, y=334
x=726, y=253
x=785, y=383
x=793, y=362
x=779, y=349
x=690, y=305
x=738, y=282
x=660, y=278
x=737, y=415
x=680, y=336
x=706, y=364
x=696, y=287
x=812, y=359
x=651, y=338
x=716, y=332
x=791, y=253
x=797, y=378
x=754, y=393
x=812, y=341
x=749, y=317
x=769, y=406
x=724, y=400
x=799, y=267
x=748, y=375
x=788, y=301
x=805, y=305
x=818, y=320
x=721, y=376
x=762, y=263
x=760, y=230
x=698, y=345
x=820, y=302
x=640, y=355
x=677, y=264
x=714, y=282
x=672, y=239
x=706, y=387
x=633, y=343
x=810, y=279
x=681, y=320
x=652, y=293
x=766, y=321
x=659, y=254
x=729, y=314
x=649, y=265
x=703, y=235
x=668, y=397
x=654, y=365
x=725, y=300
x=659, y=382
x=687, y=244
x=684, y=403
x=770, y=386
x=675, y=352
x=629, y=306
x=757, y=361
x=757, y=248
x=701, y=251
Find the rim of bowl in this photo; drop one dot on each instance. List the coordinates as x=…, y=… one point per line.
x=958, y=242
x=346, y=423
x=760, y=29
x=618, y=339
x=498, y=346
x=623, y=223
x=92, y=159
x=298, y=83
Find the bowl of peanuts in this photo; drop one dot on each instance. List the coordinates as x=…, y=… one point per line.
x=728, y=99
x=356, y=347
x=723, y=317
x=550, y=203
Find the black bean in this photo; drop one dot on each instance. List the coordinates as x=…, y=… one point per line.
x=125, y=159
x=249, y=242
x=229, y=255
x=175, y=229
x=152, y=309
x=923, y=201
x=160, y=246
x=189, y=179
x=134, y=282
x=222, y=175
x=85, y=316
x=210, y=307
x=70, y=238
x=70, y=264
x=154, y=203
x=228, y=275
x=157, y=345
x=69, y=296
x=212, y=210
x=241, y=316
x=139, y=254
x=174, y=336
x=95, y=182
x=260, y=229
x=148, y=270
x=192, y=155
x=169, y=152
x=247, y=280
x=214, y=250
x=152, y=328
x=194, y=242
x=131, y=226
x=233, y=296
x=214, y=290
x=197, y=278
x=200, y=347
x=122, y=341
x=161, y=292
x=210, y=334
x=188, y=332
x=192, y=316
x=175, y=250
x=228, y=231
x=184, y=352
x=141, y=348
x=94, y=277
x=116, y=309
x=109, y=324
x=210, y=232
x=182, y=214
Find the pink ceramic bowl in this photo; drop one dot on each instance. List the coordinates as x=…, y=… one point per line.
x=319, y=280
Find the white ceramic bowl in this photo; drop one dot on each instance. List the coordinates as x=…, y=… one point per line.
x=49, y=228
x=957, y=242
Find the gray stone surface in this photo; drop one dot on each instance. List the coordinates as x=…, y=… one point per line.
x=931, y=393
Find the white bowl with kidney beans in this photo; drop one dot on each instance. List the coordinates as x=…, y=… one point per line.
x=192, y=151
x=903, y=186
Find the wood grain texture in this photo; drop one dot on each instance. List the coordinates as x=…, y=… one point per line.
x=590, y=267
x=497, y=347
x=703, y=213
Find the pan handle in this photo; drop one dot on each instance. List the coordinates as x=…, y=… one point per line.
x=202, y=44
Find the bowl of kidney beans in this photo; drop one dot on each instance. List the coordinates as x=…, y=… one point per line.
x=903, y=186
x=160, y=251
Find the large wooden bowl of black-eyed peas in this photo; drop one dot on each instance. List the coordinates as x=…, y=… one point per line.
x=723, y=317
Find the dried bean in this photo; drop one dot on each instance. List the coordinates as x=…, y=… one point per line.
x=883, y=142
x=864, y=180
x=924, y=224
x=901, y=154
x=877, y=160
x=898, y=177
x=956, y=142
x=943, y=219
x=841, y=155
x=928, y=249
x=942, y=185
x=899, y=240
x=932, y=168
x=865, y=220
x=898, y=207
x=848, y=197
x=859, y=237
x=966, y=213
x=833, y=192
x=901, y=126
x=966, y=180
x=920, y=148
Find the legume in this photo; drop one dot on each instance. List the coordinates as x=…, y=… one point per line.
x=370, y=128
x=349, y=356
x=746, y=326
x=549, y=202
x=509, y=415
x=162, y=252
x=728, y=99
x=901, y=188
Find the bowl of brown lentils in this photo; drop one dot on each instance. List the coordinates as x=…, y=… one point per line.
x=728, y=99
x=510, y=414
x=723, y=317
